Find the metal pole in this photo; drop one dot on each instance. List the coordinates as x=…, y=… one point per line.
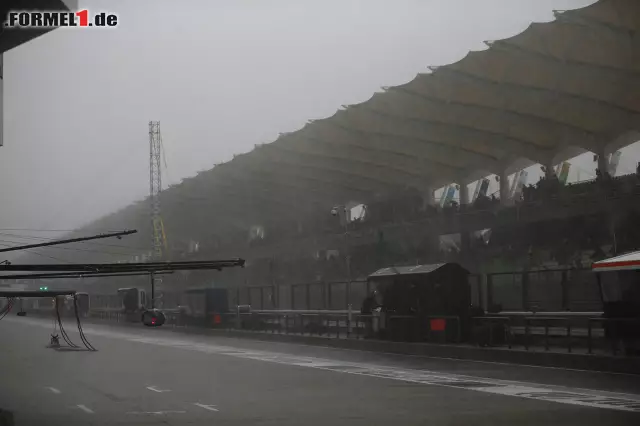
x=77, y=275
x=153, y=290
x=347, y=248
x=67, y=241
x=348, y=258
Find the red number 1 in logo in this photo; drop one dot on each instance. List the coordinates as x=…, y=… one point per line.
x=84, y=17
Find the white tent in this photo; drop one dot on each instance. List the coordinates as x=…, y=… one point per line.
x=629, y=261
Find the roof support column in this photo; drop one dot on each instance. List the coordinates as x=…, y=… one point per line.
x=504, y=188
x=464, y=194
x=603, y=164
x=465, y=237
x=549, y=169
x=428, y=198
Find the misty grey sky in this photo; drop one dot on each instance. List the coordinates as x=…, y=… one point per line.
x=221, y=76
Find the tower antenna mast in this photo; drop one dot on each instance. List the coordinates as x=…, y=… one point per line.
x=158, y=241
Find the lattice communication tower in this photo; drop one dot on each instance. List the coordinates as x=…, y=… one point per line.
x=159, y=240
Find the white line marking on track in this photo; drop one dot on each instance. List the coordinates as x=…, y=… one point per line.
x=54, y=390
x=540, y=392
x=206, y=407
x=153, y=388
x=544, y=367
x=85, y=408
x=157, y=413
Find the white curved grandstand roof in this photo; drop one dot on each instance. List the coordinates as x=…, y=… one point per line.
x=556, y=87
x=573, y=82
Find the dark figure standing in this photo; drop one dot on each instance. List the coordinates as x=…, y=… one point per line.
x=368, y=305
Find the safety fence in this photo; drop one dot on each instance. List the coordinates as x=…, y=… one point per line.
x=330, y=296
x=551, y=290
x=577, y=332
x=302, y=296
x=583, y=333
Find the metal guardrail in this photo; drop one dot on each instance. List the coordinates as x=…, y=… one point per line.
x=569, y=330
x=320, y=323
x=523, y=329
x=552, y=313
x=546, y=321
x=502, y=321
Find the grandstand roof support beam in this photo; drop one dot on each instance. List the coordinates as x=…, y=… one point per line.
x=294, y=173
x=269, y=196
x=571, y=134
x=488, y=159
x=191, y=219
x=433, y=153
x=433, y=166
x=513, y=87
x=364, y=164
x=418, y=136
x=567, y=110
x=625, y=40
x=379, y=177
x=252, y=211
x=272, y=182
x=461, y=135
x=360, y=152
x=590, y=22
